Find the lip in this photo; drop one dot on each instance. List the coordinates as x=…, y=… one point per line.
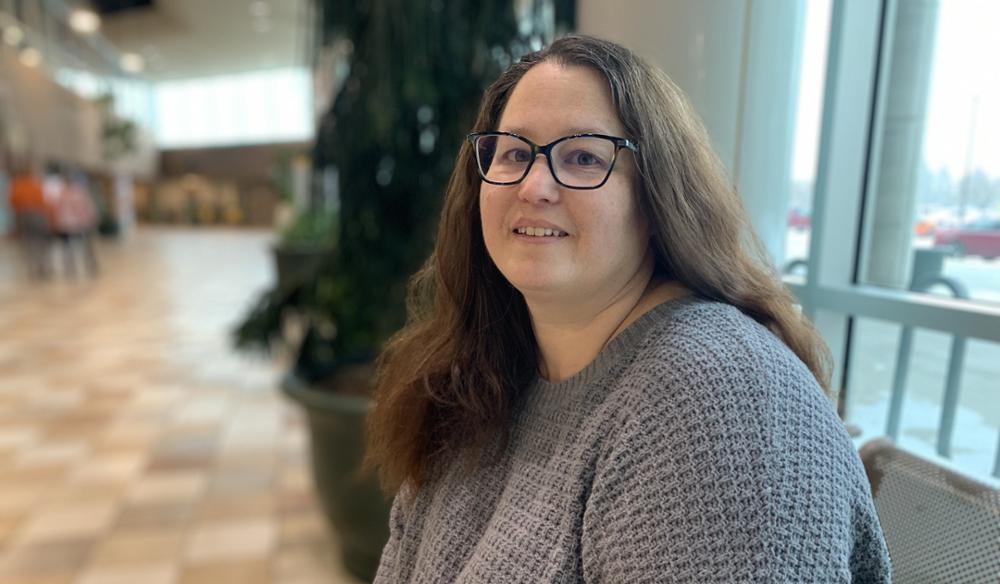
x=527, y=222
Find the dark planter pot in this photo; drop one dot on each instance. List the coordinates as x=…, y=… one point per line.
x=353, y=504
x=295, y=264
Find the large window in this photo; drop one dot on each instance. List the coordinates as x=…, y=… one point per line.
x=904, y=264
x=266, y=106
x=812, y=68
x=934, y=214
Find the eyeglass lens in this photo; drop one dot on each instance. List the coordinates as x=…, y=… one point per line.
x=576, y=162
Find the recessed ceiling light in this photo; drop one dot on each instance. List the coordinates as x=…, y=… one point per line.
x=13, y=35
x=132, y=63
x=260, y=8
x=84, y=21
x=30, y=57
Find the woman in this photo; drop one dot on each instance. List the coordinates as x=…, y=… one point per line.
x=600, y=382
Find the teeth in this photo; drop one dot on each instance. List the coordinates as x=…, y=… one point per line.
x=539, y=232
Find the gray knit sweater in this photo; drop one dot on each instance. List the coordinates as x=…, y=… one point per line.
x=695, y=448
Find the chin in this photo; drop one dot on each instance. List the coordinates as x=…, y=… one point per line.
x=537, y=284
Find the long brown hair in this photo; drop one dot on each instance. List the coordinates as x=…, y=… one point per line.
x=448, y=381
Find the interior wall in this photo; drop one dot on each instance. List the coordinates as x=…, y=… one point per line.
x=218, y=178
x=242, y=163
x=45, y=121
x=698, y=44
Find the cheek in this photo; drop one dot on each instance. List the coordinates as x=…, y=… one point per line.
x=485, y=209
x=490, y=215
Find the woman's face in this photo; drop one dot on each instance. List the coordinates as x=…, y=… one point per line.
x=603, y=235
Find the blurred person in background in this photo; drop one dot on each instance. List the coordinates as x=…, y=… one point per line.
x=32, y=217
x=603, y=378
x=74, y=219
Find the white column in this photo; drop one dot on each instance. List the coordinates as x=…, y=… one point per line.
x=763, y=165
x=907, y=57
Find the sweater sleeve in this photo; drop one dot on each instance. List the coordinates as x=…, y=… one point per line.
x=706, y=482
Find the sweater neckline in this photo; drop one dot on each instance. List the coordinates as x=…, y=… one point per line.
x=546, y=393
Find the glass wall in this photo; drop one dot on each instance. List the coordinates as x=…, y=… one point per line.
x=934, y=218
x=248, y=108
x=812, y=68
x=903, y=280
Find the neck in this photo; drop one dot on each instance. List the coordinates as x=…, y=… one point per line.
x=570, y=335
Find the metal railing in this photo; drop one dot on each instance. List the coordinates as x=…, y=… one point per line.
x=914, y=309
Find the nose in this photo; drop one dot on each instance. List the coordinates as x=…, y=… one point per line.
x=539, y=186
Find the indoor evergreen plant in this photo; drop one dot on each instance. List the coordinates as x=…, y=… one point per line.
x=416, y=73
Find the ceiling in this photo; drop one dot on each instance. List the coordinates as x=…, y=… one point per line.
x=182, y=39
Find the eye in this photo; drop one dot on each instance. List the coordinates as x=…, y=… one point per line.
x=516, y=154
x=583, y=158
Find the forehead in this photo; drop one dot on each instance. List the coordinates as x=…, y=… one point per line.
x=553, y=100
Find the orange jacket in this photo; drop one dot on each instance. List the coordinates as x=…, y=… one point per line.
x=26, y=195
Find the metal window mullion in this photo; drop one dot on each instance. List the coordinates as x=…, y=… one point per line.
x=852, y=60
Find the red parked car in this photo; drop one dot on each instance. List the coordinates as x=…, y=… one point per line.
x=980, y=238
x=798, y=219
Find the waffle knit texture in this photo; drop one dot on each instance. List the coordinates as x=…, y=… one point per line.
x=696, y=447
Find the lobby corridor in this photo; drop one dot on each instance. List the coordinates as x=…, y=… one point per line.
x=135, y=445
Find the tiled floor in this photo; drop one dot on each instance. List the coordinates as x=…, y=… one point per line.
x=135, y=446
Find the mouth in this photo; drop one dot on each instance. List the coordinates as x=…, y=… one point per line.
x=539, y=232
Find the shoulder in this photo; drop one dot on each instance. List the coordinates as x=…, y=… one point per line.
x=721, y=433
x=708, y=375
x=714, y=347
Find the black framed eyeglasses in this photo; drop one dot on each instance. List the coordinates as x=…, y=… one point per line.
x=580, y=161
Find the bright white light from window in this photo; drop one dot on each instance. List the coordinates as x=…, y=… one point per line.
x=249, y=108
x=13, y=35
x=84, y=21
x=132, y=63
x=30, y=57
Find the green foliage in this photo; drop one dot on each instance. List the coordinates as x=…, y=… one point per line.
x=316, y=228
x=118, y=136
x=417, y=73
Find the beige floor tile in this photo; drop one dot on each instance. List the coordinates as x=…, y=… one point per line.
x=7, y=527
x=44, y=560
x=51, y=454
x=150, y=574
x=230, y=540
x=110, y=468
x=234, y=483
x=72, y=493
x=130, y=547
x=213, y=509
x=310, y=564
x=32, y=475
x=68, y=521
x=129, y=433
x=65, y=578
x=302, y=528
x=162, y=487
x=247, y=459
x=15, y=438
x=154, y=515
x=246, y=572
x=204, y=462
x=16, y=499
